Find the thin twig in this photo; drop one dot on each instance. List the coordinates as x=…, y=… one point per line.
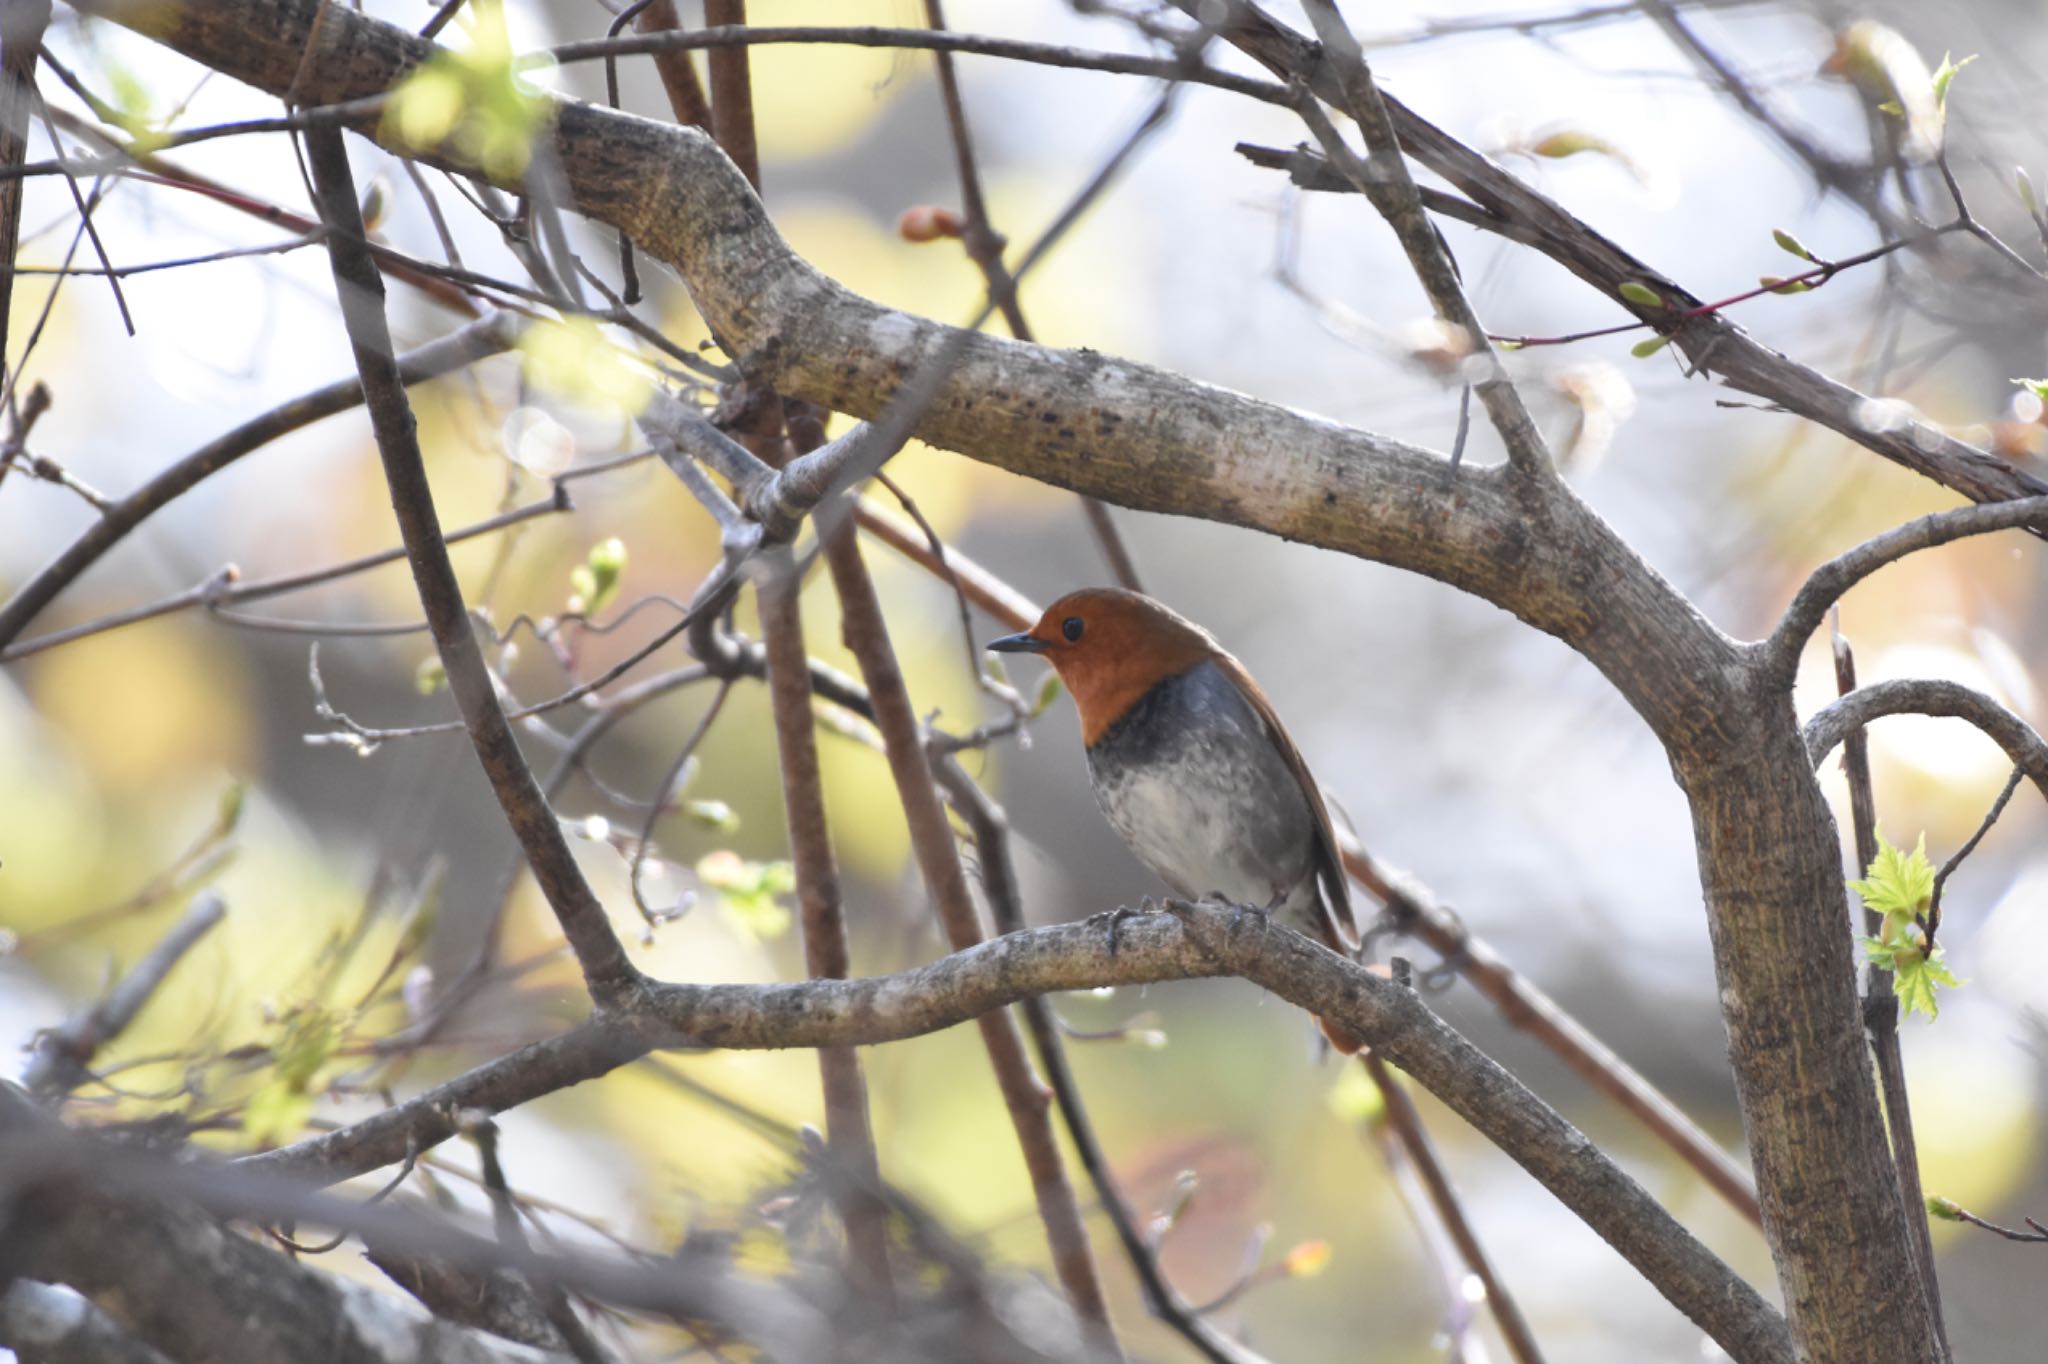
x=62, y=1054
x=607, y=971
x=849, y=1130
x=1406, y=1120
x=985, y=248
x=866, y=633
x=1881, y=1003
x=1385, y=180
x=990, y=829
x=2012, y=784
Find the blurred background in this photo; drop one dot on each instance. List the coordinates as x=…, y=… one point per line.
x=1488, y=761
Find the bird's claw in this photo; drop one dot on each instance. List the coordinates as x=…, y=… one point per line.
x=1115, y=918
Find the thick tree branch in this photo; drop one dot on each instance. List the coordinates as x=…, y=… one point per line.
x=1928, y=696
x=1124, y=432
x=52, y=1325
x=606, y=969
x=1196, y=941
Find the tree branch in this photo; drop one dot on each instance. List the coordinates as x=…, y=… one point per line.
x=1195, y=941
x=606, y=970
x=1833, y=579
x=1386, y=182
x=62, y=1054
x=1710, y=340
x=485, y=337
x=1927, y=696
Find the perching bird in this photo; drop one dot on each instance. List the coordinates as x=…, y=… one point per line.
x=1191, y=765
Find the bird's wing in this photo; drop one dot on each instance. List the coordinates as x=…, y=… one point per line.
x=1339, y=924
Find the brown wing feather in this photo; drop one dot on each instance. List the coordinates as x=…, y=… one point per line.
x=1339, y=924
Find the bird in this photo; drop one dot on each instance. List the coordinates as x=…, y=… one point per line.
x=1192, y=767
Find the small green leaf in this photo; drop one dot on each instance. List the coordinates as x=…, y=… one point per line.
x=1508, y=345
x=2027, y=195
x=748, y=891
x=1778, y=284
x=1944, y=1209
x=231, y=802
x=1945, y=73
x=1897, y=882
x=430, y=676
x=713, y=814
x=1644, y=349
x=1048, y=692
x=1636, y=292
x=1892, y=107
x=595, y=582
x=1786, y=241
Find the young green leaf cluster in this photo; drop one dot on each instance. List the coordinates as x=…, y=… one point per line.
x=1899, y=887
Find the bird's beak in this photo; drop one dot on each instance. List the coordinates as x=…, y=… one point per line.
x=1017, y=644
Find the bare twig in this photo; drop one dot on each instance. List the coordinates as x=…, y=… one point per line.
x=1928, y=696
x=867, y=635
x=848, y=1129
x=487, y=336
x=1827, y=584
x=985, y=248
x=606, y=968
x=1192, y=941
x=63, y=1054
x=1406, y=1120
x=1881, y=1004
x=222, y=589
x=990, y=830
x=1955, y=860
x=1384, y=179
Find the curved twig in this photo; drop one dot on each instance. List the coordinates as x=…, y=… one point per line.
x=1929, y=696
x=1827, y=584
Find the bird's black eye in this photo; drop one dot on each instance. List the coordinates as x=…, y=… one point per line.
x=1071, y=627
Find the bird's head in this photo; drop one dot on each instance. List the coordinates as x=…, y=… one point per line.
x=1110, y=647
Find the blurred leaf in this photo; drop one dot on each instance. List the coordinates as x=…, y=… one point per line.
x=1943, y=1209
x=572, y=359
x=748, y=890
x=1786, y=241
x=1946, y=73
x=473, y=97
x=430, y=676
x=594, y=583
x=1644, y=349
x=1049, y=690
x=1355, y=1098
x=1307, y=1260
x=1641, y=293
x=713, y=814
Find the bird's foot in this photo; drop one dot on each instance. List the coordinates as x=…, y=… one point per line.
x=1114, y=918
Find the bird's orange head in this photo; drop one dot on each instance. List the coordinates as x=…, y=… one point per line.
x=1110, y=647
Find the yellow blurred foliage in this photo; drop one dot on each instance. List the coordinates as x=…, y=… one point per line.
x=1976, y=1113
x=814, y=98
x=149, y=704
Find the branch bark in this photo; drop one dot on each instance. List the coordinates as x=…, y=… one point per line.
x=1194, y=942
